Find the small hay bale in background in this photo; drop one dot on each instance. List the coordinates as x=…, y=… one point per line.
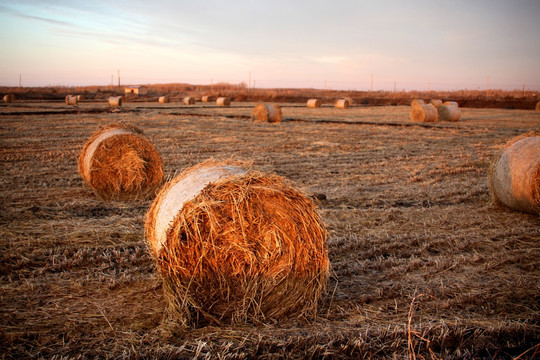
x=514, y=176
x=80, y=97
x=72, y=100
x=189, y=100
x=207, y=98
x=449, y=111
x=341, y=104
x=9, y=98
x=314, y=103
x=235, y=246
x=163, y=99
x=223, y=101
x=120, y=164
x=436, y=102
x=424, y=113
x=267, y=113
x=115, y=101
x=416, y=102
x=350, y=100
x=538, y=106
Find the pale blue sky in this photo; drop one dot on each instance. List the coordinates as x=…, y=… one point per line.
x=416, y=44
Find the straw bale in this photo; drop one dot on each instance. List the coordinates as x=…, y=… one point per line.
x=115, y=101
x=314, y=103
x=341, y=104
x=207, y=98
x=417, y=102
x=80, y=97
x=436, y=102
x=118, y=163
x=538, y=106
x=9, y=98
x=223, y=101
x=424, y=113
x=234, y=245
x=451, y=103
x=350, y=100
x=189, y=100
x=514, y=176
x=72, y=100
x=267, y=113
x=163, y=99
x=449, y=112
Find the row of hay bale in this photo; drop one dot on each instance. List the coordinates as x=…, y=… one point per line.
x=190, y=100
x=338, y=104
x=434, y=111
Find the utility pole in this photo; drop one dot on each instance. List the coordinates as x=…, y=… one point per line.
x=429, y=86
x=394, y=86
x=371, y=82
x=524, y=89
x=249, y=86
x=20, y=80
x=487, y=84
x=118, y=79
x=324, y=84
x=112, y=83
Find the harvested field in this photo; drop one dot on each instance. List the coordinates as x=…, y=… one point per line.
x=423, y=262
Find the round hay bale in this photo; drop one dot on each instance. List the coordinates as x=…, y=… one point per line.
x=449, y=112
x=436, y=102
x=120, y=164
x=189, y=100
x=207, y=98
x=514, y=176
x=72, y=100
x=451, y=103
x=223, y=101
x=314, y=103
x=80, y=97
x=267, y=113
x=235, y=246
x=9, y=98
x=341, y=104
x=163, y=99
x=416, y=102
x=350, y=100
x=115, y=101
x=424, y=113
x=538, y=106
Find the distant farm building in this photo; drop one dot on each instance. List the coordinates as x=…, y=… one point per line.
x=136, y=90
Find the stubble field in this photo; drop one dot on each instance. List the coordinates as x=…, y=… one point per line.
x=423, y=262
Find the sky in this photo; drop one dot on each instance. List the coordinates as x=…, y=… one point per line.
x=334, y=44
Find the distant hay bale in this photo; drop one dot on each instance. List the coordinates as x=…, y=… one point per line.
x=207, y=98
x=236, y=246
x=416, y=102
x=451, y=103
x=115, y=101
x=223, y=101
x=120, y=164
x=514, y=176
x=341, y=104
x=424, y=113
x=314, y=103
x=80, y=97
x=189, y=100
x=71, y=100
x=9, y=98
x=538, y=106
x=163, y=99
x=267, y=113
x=449, y=111
x=350, y=100
x=436, y=102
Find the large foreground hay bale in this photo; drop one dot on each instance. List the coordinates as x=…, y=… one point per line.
x=163, y=99
x=424, y=113
x=115, y=101
x=9, y=98
x=235, y=246
x=267, y=113
x=80, y=97
x=314, y=103
x=189, y=100
x=207, y=98
x=120, y=164
x=341, y=104
x=72, y=100
x=416, y=102
x=223, y=101
x=449, y=111
x=436, y=102
x=515, y=175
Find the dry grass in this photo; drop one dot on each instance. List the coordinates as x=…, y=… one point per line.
x=423, y=261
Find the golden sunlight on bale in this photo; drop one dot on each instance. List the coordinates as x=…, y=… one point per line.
x=223, y=101
x=416, y=102
x=424, y=113
x=9, y=98
x=72, y=100
x=115, y=101
x=314, y=103
x=234, y=246
x=449, y=111
x=515, y=175
x=207, y=98
x=120, y=164
x=436, y=102
x=189, y=100
x=341, y=104
x=163, y=99
x=267, y=113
